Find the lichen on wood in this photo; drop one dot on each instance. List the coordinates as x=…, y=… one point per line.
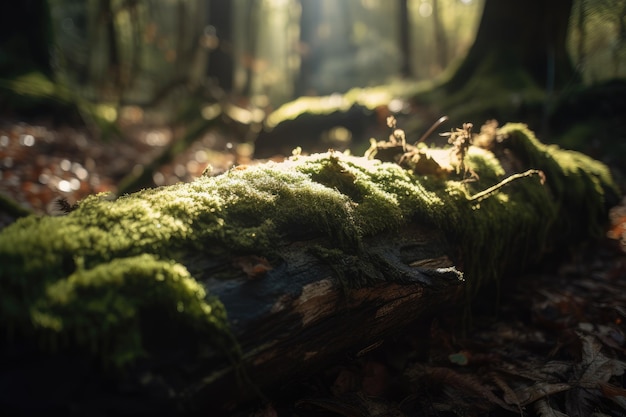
x=91, y=277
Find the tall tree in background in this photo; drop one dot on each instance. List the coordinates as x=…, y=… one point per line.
x=528, y=35
x=106, y=17
x=251, y=44
x=441, y=41
x=405, y=36
x=613, y=13
x=582, y=33
x=26, y=38
x=221, y=66
x=309, y=22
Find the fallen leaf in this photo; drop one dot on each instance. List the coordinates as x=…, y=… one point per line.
x=529, y=395
x=254, y=266
x=595, y=367
x=544, y=409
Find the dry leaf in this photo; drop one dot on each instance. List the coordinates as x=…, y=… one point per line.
x=615, y=394
x=595, y=367
x=509, y=394
x=254, y=266
x=544, y=409
x=467, y=384
x=529, y=395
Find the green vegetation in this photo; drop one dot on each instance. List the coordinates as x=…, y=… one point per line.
x=572, y=177
x=97, y=275
x=12, y=208
x=367, y=98
x=29, y=90
x=102, y=307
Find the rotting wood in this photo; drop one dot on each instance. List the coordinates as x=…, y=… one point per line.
x=298, y=317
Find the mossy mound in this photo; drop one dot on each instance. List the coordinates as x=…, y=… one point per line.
x=97, y=275
x=338, y=121
x=580, y=186
x=367, y=98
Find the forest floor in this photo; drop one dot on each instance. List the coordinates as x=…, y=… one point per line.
x=556, y=347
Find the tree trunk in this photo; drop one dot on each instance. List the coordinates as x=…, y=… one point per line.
x=26, y=38
x=310, y=16
x=582, y=35
x=441, y=42
x=404, y=23
x=106, y=15
x=221, y=67
x=530, y=35
x=251, y=45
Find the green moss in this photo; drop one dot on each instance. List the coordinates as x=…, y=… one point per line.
x=12, y=208
x=93, y=275
x=580, y=185
x=368, y=98
x=351, y=271
x=103, y=308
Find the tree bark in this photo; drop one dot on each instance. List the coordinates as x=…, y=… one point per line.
x=529, y=35
x=310, y=16
x=293, y=320
x=441, y=42
x=221, y=66
x=404, y=23
x=26, y=38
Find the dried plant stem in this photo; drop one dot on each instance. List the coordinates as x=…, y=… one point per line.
x=487, y=192
x=435, y=125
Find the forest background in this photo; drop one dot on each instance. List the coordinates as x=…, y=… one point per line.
x=202, y=78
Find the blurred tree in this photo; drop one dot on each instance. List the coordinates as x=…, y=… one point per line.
x=441, y=40
x=29, y=62
x=405, y=39
x=529, y=35
x=582, y=34
x=106, y=17
x=250, y=50
x=26, y=38
x=218, y=39
x=613, y=12
x=310, y=17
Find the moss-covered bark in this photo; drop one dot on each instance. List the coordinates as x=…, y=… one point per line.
x=93, y=278
x=310, y=119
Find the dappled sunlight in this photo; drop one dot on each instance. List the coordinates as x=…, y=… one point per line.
x=425, y=9
x=307, y=104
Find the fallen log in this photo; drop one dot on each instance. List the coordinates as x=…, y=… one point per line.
x=203, y=296
x=334, y=121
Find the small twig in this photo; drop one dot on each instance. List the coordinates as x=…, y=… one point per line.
x=435, y=125
x=487, y=192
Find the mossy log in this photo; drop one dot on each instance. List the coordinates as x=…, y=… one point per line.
x=200, y=296
x=337, y=121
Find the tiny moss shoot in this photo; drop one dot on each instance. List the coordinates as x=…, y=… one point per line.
x=94, y=276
